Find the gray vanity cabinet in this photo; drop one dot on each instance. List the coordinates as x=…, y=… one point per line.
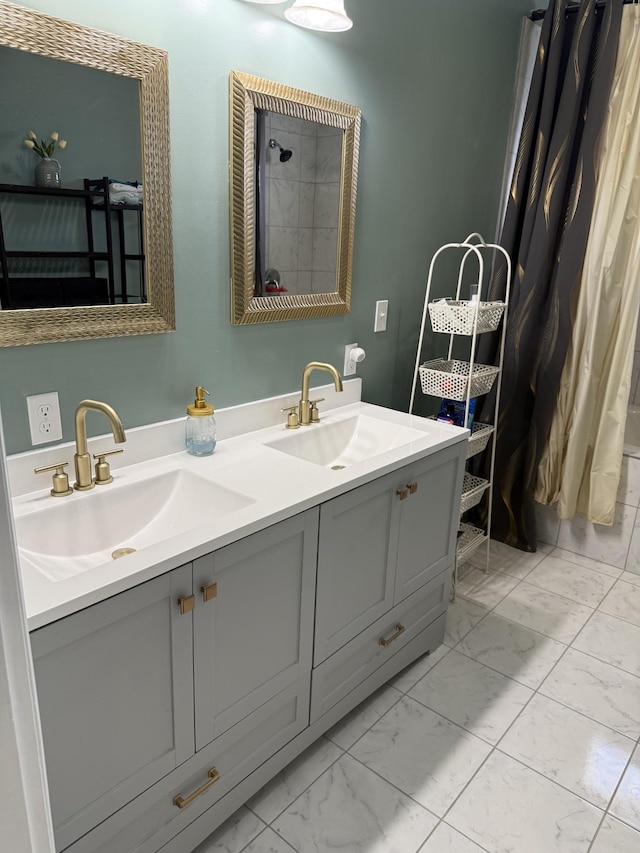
x=115, y=691
x=252, y=638
x=157, y=702
x=382, y=542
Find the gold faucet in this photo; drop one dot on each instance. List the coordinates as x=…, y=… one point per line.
x=307, y=411
x=82, y=459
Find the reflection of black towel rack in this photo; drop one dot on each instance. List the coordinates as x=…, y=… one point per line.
x=118, y=211
x=55, y=286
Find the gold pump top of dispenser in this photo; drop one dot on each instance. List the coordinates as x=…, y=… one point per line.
x=200, y=407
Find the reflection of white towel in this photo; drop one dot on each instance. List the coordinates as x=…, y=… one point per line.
x=122, y=193
x=125, y=193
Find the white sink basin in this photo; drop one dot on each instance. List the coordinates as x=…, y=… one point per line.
x=64, y=536
x=345, y=442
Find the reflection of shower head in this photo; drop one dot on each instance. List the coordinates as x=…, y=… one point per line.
x=285, y=153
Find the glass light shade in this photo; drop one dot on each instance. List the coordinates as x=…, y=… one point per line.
x=265, y=2
x=326, y=15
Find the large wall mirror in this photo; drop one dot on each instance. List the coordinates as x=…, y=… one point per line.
x=88, y=255
x=294, y=163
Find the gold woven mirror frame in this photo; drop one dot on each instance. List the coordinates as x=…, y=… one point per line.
x=35, y=32
x=247, y=95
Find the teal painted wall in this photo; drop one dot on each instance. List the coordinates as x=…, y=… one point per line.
x=434, y=80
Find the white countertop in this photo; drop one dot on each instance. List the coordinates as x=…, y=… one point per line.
x=278, y=485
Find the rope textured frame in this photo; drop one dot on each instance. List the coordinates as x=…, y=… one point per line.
x=247, y=94
x=35, y=32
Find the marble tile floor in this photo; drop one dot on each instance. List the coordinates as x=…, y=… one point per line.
x=519, y=735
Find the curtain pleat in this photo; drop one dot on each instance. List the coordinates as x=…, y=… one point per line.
x=580, y=467
x=545, y=232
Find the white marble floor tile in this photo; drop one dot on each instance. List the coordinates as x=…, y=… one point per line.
x=578, y=753
x=512, y=649
x=405, y=680
x=579, y=583
x=462, y=616
x=600, y=691
x=351, y=808
x=508, y=808
x=612, y=640
x=616, y=837
x=282, y=790
x=510, y=561
x=234, y=834
x=626, y=803
x=545, y=612
x=605, y=544
x=630, y=577
x=623, y=601
x=483, y=589
x=269, y=842
x=345, y=733
x=446, y=839
x=479, y=699
x=418, y=751
x=586, y=562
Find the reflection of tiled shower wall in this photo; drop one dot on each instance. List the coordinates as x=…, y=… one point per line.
x=302, y=204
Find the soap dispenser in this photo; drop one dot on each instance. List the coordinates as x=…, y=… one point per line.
x=201, y=426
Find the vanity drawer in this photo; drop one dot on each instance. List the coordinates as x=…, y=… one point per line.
x=337, y=676
x=152, y=819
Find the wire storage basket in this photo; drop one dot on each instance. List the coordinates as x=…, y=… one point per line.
x=458, y=317
x=472, y=490
x=450, y=379
x=479, y=438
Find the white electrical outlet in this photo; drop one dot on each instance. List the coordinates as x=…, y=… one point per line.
x=44, y=418
x=382, y=309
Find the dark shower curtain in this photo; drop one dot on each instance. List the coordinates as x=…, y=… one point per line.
x=545, y=232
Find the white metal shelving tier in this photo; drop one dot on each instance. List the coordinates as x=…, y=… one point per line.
x=463, y=380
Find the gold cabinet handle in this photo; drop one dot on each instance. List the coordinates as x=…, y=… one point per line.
x=413, y=488
x=182, y=802
x=386, y=641
x=209, y=591
x=402, y=493
x=186, y=604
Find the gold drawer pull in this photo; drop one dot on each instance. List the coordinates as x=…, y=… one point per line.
x=209, y=591
x=186, y=604
x=182, y=802
x=402, y=493
x=400, y=629
x=413, y=488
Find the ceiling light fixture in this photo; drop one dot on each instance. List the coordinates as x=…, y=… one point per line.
x=325, y=15
x=265, y=2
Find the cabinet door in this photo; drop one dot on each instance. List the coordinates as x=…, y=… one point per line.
x=429, y=519
x=356, y=562
x=115, y=690
x=253, y=637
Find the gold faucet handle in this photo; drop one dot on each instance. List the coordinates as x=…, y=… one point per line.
x=103, y=472
x=60, y=479
x=293, y=422
x=314, y=415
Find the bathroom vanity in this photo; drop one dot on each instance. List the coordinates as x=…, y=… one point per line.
x=174, y=683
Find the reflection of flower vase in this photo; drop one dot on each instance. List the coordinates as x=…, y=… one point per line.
x=47, y=173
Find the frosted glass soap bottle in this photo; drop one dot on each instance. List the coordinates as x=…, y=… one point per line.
x=201, y=426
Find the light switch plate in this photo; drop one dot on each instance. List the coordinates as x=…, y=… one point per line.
x=382, y=309
x=44, y=418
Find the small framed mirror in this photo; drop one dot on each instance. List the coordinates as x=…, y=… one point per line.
x=294, y=165
x=63, y=261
